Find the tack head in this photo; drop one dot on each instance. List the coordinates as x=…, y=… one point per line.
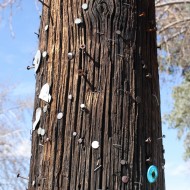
x=46, y=27
x=44, y=54
x=95, y=144
x=84, y=6
x=82, y=106
x=60, y=115
x=70, y=97
x=125, y=179
x=74, y=134
x=78, y=21
x=71, y=55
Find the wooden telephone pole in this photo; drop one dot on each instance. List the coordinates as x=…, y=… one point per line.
x=97, y=118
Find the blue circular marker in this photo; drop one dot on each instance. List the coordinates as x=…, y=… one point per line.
x=152, y=174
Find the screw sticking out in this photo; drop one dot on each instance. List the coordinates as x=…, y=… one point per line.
x=163, y=136
x=41, y=145
x=142, y=14
x=149, y=75
x=19, y=176
x=148, y=140
x=97, y=168
x=37, y=34
x=44, y=4
x=30, y=67
x=159, y=46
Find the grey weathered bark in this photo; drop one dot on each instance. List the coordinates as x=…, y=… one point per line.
x=116, y=77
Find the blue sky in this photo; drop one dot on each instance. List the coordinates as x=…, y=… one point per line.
x=17, y=53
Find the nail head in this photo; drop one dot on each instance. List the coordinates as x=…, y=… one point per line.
x=125, y=179
x=95, y=145
x=84, y=6
x=60, y=115
x=78, y=21
x=46, y=27
x=70, y=97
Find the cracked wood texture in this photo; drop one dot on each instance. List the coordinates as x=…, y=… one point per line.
x=115, y=74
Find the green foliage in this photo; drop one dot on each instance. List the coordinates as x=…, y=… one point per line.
x=179, y=118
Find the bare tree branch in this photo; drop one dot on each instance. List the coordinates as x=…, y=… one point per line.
x=173, y=23
x=173, y=36
x=172, y=3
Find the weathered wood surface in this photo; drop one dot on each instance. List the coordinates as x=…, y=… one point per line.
x=122, y=101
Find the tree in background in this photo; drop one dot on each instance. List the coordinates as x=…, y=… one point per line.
x=96, y=121
x=173, y=19
x=14, y=141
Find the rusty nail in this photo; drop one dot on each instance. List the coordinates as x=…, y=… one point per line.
x=142, y=14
